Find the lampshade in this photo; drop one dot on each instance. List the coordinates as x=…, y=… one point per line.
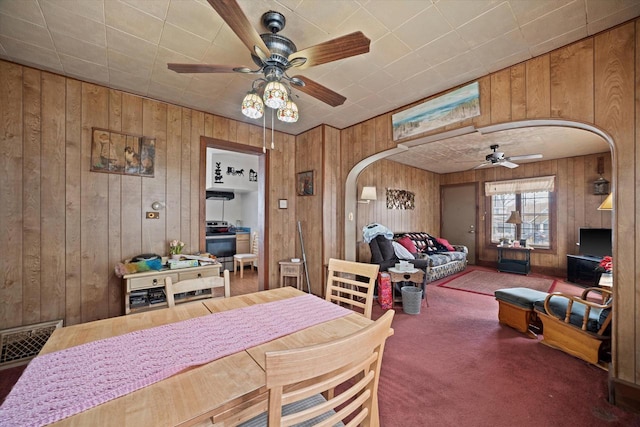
x=607, y=204
x=288, y=113
x=514, y=218
x=252, y=106
x=275, y=95
x=369, y=193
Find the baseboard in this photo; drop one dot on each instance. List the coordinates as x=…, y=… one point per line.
x=624, y=395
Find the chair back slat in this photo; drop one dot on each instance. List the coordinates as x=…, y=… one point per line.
x=343, y=286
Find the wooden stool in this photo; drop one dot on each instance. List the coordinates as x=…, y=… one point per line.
x=291, y=269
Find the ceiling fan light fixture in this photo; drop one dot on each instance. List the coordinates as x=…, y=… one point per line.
x=252, y=105
x=275, y=95
x=288, y=113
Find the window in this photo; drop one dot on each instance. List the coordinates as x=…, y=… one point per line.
x=532, y=199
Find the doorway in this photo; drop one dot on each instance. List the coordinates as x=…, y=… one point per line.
x=458, y=216
x=262, y=215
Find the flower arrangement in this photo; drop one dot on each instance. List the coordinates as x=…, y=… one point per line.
x=175, y=247
x=606, y=265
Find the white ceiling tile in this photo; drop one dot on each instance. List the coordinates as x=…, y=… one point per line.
x=508, y=61
x=195, y=17
x=598, y=9
x=459, y=12
x=206, y=84
x=526, y=10
x=157, y=8
x=616, y=17
x=27, y=10
x=425, y=27
x=406, y=67
x=391, y=15
x=63, y=21
x=465, y=61
x=80, y=49
x=131, y=20
x=328, y=14
x=443, y=49
x=79, y=68
x=489, y=25
x=130, y=45
x=164, y=92
x=92, y=9
x=30, y=54
x=128, y=82
x=363, y=21
x=25, y=31
x=559, y=41
x=137, y=66
x=501, y=47
x=178, y=40
x=387, y=49
x=553, y=24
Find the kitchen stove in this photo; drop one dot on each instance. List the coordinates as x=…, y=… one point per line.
x=221, y=241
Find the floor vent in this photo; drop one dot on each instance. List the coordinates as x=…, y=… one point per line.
x=21, y=344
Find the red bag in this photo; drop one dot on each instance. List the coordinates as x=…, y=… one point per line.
x=385, y=298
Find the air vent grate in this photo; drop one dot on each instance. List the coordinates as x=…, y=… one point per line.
x=21, y=344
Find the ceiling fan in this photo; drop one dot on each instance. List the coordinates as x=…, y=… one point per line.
x=497, y=158
x=274, y=54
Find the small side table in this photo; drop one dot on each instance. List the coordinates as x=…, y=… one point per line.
x=415, y=276
x=293, y=270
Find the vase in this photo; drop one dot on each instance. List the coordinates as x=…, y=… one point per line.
x=176, y=256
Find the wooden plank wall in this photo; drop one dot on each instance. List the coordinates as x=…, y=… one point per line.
x=576, y=205
x=593, y=81
x=68, y=226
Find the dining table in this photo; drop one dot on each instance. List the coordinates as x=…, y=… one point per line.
x=211, y=391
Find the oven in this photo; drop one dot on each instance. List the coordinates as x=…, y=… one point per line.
x=221, y=242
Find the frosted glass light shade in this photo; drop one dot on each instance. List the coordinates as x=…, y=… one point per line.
x=252, y=106
x=288, y=113
x=275, y=95
x=607, y=204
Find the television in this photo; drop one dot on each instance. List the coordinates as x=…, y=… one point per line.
x=595, y=242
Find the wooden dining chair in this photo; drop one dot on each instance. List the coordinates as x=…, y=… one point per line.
x=298, y=379
x=352, y=283
x=252, y=257
x=199, y=284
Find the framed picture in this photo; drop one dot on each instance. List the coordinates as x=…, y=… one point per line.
x=305, y=183
x=452, y=107
x=282, y=203
x=121, y=153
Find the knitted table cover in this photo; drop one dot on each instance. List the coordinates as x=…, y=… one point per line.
x=60, y=384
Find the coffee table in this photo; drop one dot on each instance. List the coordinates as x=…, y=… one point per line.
x=414, y=275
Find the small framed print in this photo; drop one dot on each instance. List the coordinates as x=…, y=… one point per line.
x=282, y=203
x=305, y=183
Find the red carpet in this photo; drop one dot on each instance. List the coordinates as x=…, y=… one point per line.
x=455, y=365
x=487, y=282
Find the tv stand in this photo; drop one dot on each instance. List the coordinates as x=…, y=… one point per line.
x=581, y=269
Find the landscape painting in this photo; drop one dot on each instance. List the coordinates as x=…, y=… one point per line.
x=452, y=107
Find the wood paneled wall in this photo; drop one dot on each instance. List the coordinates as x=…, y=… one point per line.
x=576, y=205
x=68, y=227
x=594, y=81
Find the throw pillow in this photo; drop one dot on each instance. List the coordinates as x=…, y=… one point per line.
x=401, y=251
x=408, y=244
x=446, y=244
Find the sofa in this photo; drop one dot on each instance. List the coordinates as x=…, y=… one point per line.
x=436, y=256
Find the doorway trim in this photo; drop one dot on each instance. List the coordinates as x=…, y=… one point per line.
x=263, y=184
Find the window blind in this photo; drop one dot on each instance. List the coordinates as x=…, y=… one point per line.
x=517, y=186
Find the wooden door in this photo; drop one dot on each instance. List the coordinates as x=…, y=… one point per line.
x=459, y=216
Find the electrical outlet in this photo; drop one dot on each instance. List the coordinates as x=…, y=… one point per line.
x=153, y=215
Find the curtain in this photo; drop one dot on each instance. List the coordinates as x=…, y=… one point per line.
x=517, y=186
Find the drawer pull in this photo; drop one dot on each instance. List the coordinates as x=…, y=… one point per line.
x=155, y=282
x=199, y=275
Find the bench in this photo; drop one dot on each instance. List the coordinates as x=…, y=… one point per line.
x=515, y=309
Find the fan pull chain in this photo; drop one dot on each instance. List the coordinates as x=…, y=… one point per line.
x=264, y=133
x=272, y=126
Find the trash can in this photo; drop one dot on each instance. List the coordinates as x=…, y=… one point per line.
x=411, y=299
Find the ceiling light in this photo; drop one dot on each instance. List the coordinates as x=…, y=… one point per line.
x=252, y=105
x=288, y=113
x=275, y=95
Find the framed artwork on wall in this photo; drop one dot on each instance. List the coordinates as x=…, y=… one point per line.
x=121, y=153
x=305, y=183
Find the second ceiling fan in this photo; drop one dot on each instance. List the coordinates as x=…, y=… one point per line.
x=497, y=158
x=274, y=54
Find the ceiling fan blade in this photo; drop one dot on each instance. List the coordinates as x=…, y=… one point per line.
x=484, y=165
x=332, y=50
x=508, y=164
x=525, y=157
x=232, y=14
x=202, y=68
x=320, y=92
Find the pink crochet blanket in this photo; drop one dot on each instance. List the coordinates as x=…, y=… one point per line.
x=60, y=384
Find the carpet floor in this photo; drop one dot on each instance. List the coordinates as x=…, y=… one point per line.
x=487, y=282
x=455, y=365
